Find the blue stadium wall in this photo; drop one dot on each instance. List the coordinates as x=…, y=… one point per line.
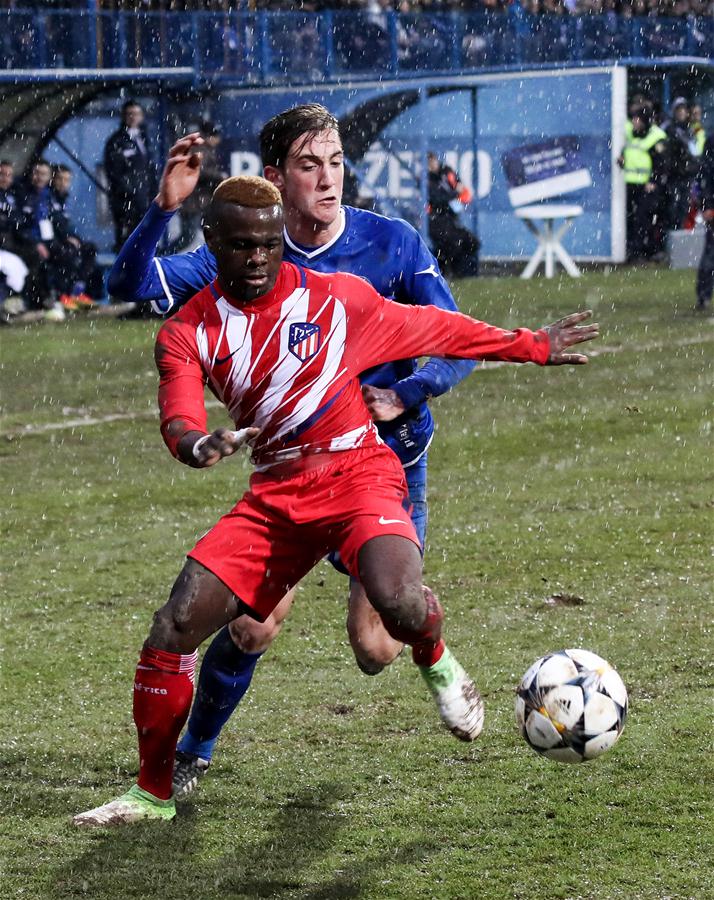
x=477, y=123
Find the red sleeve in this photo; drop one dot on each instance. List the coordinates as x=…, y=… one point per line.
x=389, y=330
x=182, y=381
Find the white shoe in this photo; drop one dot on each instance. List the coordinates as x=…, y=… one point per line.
x=457, y=697
x=55, y=313
x=136, y=805
x=14, y=305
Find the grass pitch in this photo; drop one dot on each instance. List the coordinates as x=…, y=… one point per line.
x=595, y=482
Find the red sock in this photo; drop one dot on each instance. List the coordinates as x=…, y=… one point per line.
x=163, y=689
x=426, y=643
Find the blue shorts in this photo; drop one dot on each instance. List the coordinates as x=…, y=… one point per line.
x=416, y=482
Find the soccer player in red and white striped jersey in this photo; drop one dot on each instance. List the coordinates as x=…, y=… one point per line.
x=282, y=348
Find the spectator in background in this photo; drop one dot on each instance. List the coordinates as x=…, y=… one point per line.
x=35, y=234
x=7, y=200
x=705, y=274
x=455, y=247
x=644, y=160
x=696, y=127
x=13, y=270
x=682, y=164
x=130, y=172
x=79, y=277
x=360, y=43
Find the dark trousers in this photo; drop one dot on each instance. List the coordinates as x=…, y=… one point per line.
x=705, y=273
x=127, y=212
x=73, y=268
x=37, y=288
x=679, y=193
x=455, y=247
x=642, y=209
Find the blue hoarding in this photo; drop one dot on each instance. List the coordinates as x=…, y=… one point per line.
x=514, y=139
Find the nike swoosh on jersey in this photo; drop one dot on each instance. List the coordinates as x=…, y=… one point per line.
x=383, y=521
x=219, y=360
x=430, y=271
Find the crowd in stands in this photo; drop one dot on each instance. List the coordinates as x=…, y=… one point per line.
x=627, y=8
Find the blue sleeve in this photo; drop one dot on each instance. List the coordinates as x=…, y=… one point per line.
x=138, y=275
x=423, y=284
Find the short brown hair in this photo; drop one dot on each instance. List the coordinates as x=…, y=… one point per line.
x=280, y=133
x=248, y=190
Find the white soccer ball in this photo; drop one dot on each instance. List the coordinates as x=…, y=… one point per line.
x=571, y=706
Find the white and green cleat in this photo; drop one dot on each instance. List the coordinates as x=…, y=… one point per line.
x=457, y=697
x=137, y=805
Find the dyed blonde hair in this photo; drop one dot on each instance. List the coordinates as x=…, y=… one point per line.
x=248, y=190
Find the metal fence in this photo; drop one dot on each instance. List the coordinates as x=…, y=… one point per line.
x=279, y=48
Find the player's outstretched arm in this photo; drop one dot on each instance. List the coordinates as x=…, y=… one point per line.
x=203, y=450
x=395, y=331
x=567, y=332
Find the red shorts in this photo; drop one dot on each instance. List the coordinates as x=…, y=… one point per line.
x=283, y=526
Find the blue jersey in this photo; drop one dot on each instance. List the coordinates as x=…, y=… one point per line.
x=388, y=253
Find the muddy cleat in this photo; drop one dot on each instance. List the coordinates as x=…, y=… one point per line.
x=460, y=704
x=188, y=771
x=136, y=805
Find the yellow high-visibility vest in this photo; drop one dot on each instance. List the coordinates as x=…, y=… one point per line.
x=638, y=162
x=700, y=138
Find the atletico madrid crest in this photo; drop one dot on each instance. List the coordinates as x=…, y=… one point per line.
x=304, y=340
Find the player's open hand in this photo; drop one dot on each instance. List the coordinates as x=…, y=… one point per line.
x=180, y=175
x=383, y=403
x=212, y=448
x=565, y=333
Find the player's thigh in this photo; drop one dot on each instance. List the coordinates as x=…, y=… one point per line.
x=255, y=637
x=390, y=568
x=199, y=604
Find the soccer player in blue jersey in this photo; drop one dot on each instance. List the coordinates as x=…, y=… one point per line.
x=302, y=155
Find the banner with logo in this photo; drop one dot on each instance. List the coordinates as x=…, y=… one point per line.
x=514, y=139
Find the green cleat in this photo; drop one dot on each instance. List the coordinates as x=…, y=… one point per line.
x=137, y=805
x=457, y=697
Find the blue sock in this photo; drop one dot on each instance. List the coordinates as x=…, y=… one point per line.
x=226, y=673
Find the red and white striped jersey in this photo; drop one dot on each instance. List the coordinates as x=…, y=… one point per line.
x=287, y=362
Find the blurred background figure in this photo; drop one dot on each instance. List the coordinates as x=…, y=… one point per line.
x=455, y=247
x=13, y=270
x=79, y=278
x=644, y=160
x=705, y=274
x=34, y=234
x=696, y=126
x=130, y=172
x=683, y=164
x=212, y=174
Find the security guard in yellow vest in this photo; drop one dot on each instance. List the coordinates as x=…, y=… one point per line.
x=644, y=161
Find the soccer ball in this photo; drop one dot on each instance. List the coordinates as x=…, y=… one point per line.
x=571, y=706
